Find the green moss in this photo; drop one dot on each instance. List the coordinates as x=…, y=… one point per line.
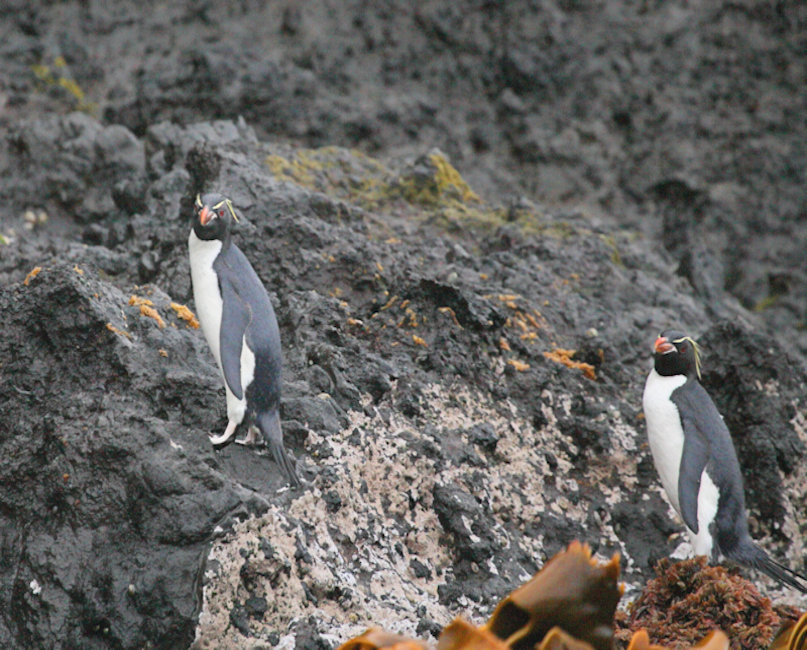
x=435, y=181
x=290, y=171
x=610, y=241
x=766, y=303
x=3, y=239
x=430, y=189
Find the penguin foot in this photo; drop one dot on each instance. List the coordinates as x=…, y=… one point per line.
x=250, y=439
x=217, y=441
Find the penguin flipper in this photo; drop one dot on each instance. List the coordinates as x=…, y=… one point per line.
x=694, y=458
x=236, y=316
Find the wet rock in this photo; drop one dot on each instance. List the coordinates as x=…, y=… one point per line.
x=758, y=390
x=462, y=516
x=122, y=496
x=639, y=213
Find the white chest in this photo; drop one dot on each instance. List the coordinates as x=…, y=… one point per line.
x=206, y=292
x=664, y=431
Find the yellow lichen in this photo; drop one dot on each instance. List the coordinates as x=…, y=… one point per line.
x=45, y=75
x=518, y=365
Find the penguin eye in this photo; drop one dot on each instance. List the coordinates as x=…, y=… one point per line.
x=221, y=213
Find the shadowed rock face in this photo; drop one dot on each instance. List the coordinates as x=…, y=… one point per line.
x=451, y=443
x=108, y=502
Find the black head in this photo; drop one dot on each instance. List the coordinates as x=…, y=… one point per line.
x=675, y=353
x=213, y=217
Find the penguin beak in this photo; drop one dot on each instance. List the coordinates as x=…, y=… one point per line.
x=205, y=215
x=663, y=346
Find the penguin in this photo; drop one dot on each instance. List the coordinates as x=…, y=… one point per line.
x=696, y=461
x=240, y=327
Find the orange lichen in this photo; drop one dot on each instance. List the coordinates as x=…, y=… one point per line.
x=150, y=312
x=32, y=274
x=560, y=355
x=389, y=303
x=114, y=329
x=163, y=353
x=419, y=341
x=504, y=345
x=78, y=270
x=518, y=365
x=411, y=316
x=451, y=313
x=185, y=314
x=136, y=301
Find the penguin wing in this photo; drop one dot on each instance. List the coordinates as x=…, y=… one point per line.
x=694, y=458
x=236, y=316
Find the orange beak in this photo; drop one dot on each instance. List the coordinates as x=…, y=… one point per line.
x=663, y=345
x=205, y=215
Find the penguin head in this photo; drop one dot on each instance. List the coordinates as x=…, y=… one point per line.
x=213, y=217
x=675, y=353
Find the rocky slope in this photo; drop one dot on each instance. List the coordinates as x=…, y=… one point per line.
x=450, y=439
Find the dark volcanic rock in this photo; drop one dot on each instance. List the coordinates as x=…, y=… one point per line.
x=105, y=462
x=759, y=389
x=629, y=170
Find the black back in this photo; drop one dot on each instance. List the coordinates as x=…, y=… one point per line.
x=236, y=276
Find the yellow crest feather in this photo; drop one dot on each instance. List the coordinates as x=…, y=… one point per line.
x=697, y=350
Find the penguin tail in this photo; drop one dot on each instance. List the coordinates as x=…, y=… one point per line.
x=753, y=556
x=269, y=426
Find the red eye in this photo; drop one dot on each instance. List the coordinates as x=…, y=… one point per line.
x=221, y=213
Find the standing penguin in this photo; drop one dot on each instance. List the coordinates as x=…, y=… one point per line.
x=695, y=458
x=240, y=327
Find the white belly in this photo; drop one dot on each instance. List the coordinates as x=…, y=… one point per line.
x=209, y=308
x=666, y=438
x=664, y=432
x=206, y=293
x=708, y=499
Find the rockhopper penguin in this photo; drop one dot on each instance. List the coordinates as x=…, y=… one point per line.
x=239, y=324
x=695, y=458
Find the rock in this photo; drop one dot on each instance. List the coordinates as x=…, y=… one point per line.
x=109, y=468
x=422, y=303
